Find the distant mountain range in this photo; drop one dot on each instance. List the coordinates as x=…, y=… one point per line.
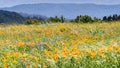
x=68, y=10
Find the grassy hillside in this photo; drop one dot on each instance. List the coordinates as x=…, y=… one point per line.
x=60, y=45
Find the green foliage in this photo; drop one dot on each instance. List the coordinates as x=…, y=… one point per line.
x=34, y=21
x=54, y=19
x=77, y=19
x=114, y=17
x=83, y=19
x=62, y=19
x=104, y=18
x=86, y=19
x=96, y=19
x=57, y=19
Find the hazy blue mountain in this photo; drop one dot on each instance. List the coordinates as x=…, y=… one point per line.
x=67, y=10
x=14, y=17
x=10, y=17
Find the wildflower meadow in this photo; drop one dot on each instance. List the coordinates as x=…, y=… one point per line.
x=60, y=45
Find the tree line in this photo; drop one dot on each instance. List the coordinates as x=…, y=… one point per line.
x=85, y=19
x=114, y=17
x=78, y=19
x=13, y=17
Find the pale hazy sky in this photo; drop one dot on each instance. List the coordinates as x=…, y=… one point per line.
x=9, y=3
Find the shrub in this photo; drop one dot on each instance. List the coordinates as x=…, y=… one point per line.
x=28, y=22
x=83, y=19
x=86, y=19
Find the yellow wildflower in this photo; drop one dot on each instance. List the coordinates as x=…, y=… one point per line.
x=5, y=65
x=15, y=62
x=44, y=66
x=21, y=44
x=34, y=65
x=115, y=61
x=78, y=62
x=27, y=66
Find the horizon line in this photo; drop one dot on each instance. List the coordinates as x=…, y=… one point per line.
x=60, y=3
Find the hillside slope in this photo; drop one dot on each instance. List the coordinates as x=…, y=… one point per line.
x=10, y=17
